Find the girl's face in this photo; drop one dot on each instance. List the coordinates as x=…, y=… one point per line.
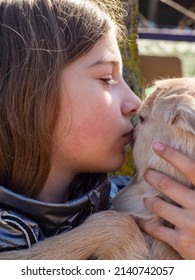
x=95, y=108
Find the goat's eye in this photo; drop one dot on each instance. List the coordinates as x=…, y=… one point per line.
x=141, y=119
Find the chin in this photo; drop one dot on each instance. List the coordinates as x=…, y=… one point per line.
x=117, y=164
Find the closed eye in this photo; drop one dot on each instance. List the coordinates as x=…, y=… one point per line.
x=108, y=81
x=141, y=119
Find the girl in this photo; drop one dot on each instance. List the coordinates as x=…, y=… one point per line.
x=64, y=111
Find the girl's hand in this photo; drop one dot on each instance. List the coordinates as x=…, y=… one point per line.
x=182, y=237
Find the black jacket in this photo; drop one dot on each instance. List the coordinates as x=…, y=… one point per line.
x=25, y=221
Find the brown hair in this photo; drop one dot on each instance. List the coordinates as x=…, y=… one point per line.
x=38, y=39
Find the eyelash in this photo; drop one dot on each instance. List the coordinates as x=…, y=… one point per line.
x=108, y=81
x=141, y=119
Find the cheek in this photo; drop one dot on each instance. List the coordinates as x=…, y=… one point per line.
x=98, y=118
x=63, y=125
x=93, y=127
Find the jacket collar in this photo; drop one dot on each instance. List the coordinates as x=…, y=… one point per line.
x=52, y=216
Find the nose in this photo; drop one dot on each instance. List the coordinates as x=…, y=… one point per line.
x=131, y=102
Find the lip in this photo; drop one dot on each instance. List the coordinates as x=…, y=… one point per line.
x=128, y=137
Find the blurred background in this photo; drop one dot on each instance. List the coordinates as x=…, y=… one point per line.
x=166, y=41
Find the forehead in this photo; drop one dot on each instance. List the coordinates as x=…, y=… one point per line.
x=104, y=50
x=147, y=103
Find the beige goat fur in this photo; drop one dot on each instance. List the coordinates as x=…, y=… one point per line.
x=166, y=116
x=108, y=235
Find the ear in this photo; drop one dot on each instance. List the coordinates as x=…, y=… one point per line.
x=184, y=115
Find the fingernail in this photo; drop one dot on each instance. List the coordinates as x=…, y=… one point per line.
x=158, y=147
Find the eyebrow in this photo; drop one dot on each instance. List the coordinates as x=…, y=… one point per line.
x=104, y=61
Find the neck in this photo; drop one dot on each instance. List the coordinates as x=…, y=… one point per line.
x=56, y=189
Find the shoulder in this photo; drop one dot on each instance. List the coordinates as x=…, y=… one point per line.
x=17, y=231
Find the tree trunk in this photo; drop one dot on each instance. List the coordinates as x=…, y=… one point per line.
x=131, y=68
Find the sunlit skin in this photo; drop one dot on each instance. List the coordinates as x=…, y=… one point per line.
x=94, y=119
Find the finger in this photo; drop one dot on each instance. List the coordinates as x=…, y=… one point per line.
x=171, y=188
x=180, y=161
x=158, y=231
x=167, y=211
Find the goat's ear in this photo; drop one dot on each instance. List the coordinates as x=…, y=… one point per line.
x=184, y=115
